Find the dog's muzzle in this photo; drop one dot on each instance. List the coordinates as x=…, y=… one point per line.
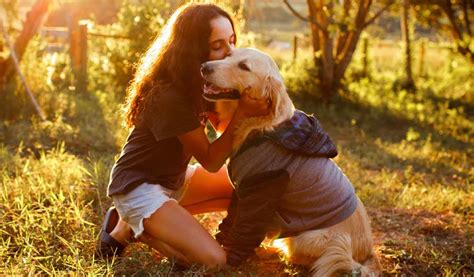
x=206, y=69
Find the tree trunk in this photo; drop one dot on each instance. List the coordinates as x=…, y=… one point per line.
x=456, y=32
x=31, y=25
x=315, y=33
x=347, y=54
x=465, y=10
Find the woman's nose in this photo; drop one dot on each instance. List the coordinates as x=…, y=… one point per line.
x=229, y=48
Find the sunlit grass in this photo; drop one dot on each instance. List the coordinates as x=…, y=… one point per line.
x=401, y=150
x=47, y=213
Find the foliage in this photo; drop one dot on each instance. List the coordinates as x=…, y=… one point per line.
x=10, y=9
x=301, y=79
x=116, y=58
x=451, y=17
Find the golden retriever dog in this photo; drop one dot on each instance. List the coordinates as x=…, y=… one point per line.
x=345, y=247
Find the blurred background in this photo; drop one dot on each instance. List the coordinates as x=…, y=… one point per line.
x=391, y=81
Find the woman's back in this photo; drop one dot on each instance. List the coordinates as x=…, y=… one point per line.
x=153, y=152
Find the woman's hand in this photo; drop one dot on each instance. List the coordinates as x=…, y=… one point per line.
x=250, y=107
x=213, y=156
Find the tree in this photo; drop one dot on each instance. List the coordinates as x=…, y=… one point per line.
x=336, y=27
x=458, y=13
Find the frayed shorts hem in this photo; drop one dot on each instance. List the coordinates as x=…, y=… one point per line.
x=146, y=199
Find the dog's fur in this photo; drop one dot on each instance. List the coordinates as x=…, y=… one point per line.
x=343, y=248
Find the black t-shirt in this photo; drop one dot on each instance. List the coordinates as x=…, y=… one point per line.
x=153, y=153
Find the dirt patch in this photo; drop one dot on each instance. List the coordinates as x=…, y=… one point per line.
x=409, y=242
x=422, y=243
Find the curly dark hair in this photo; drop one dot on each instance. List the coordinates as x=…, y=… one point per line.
x=174, y=59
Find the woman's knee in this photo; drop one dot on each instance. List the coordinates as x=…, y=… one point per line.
x=214, y=259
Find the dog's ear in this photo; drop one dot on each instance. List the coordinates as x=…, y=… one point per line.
x=272, y=87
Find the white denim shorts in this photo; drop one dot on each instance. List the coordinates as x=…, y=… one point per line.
x=145, y=199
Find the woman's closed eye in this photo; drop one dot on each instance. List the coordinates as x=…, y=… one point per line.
x=218, y=45
x=215, y=47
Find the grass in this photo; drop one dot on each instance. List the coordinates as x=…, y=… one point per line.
x=410, y=157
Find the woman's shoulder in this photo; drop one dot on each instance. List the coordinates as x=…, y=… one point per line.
x=169, y=96
x=168, y=104
x=169, y=114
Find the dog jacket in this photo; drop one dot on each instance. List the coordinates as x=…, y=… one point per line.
x=284, y=183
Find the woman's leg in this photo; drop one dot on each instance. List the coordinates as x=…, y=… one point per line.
x=122, y=232
x=207, y=192
x=172, y=225
x=163, y=248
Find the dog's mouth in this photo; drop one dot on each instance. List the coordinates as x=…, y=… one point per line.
x=213, y=92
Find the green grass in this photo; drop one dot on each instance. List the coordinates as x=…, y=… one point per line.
x=410, y=157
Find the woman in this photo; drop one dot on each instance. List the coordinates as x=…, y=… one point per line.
x=166, y=113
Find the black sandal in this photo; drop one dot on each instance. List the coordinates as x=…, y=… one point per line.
x=108, y=246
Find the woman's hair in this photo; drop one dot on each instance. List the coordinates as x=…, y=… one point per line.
x=174, y=59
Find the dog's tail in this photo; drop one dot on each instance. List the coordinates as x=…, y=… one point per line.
x=337, y=259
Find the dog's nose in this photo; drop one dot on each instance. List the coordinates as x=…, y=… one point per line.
x=206, y=69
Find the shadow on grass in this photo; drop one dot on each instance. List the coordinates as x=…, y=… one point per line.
x=360, y=126
x=94, y=131
x=76, y=119
x=455, y=103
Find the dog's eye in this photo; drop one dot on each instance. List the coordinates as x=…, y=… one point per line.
x=243, y=66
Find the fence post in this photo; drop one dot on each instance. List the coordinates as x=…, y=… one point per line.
x=421, y=67
x=365, y=57
x=78, y=37
x=405, y=30
x=295, y=47
x=82, y=80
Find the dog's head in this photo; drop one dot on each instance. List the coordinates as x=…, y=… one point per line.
x=252, y=72
x=245, y=70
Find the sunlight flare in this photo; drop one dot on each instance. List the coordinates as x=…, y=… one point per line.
x=281, y=244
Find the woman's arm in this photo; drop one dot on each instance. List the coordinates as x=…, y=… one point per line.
x=213, y=155
x=219, y=124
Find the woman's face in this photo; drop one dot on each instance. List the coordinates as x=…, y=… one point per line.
x=222, y=39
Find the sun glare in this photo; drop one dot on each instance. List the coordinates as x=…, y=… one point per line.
x=280, y=244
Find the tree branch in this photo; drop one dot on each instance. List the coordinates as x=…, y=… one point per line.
x=307, y=19
x=370, y=21
x=465, y=8
x=31, y=25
